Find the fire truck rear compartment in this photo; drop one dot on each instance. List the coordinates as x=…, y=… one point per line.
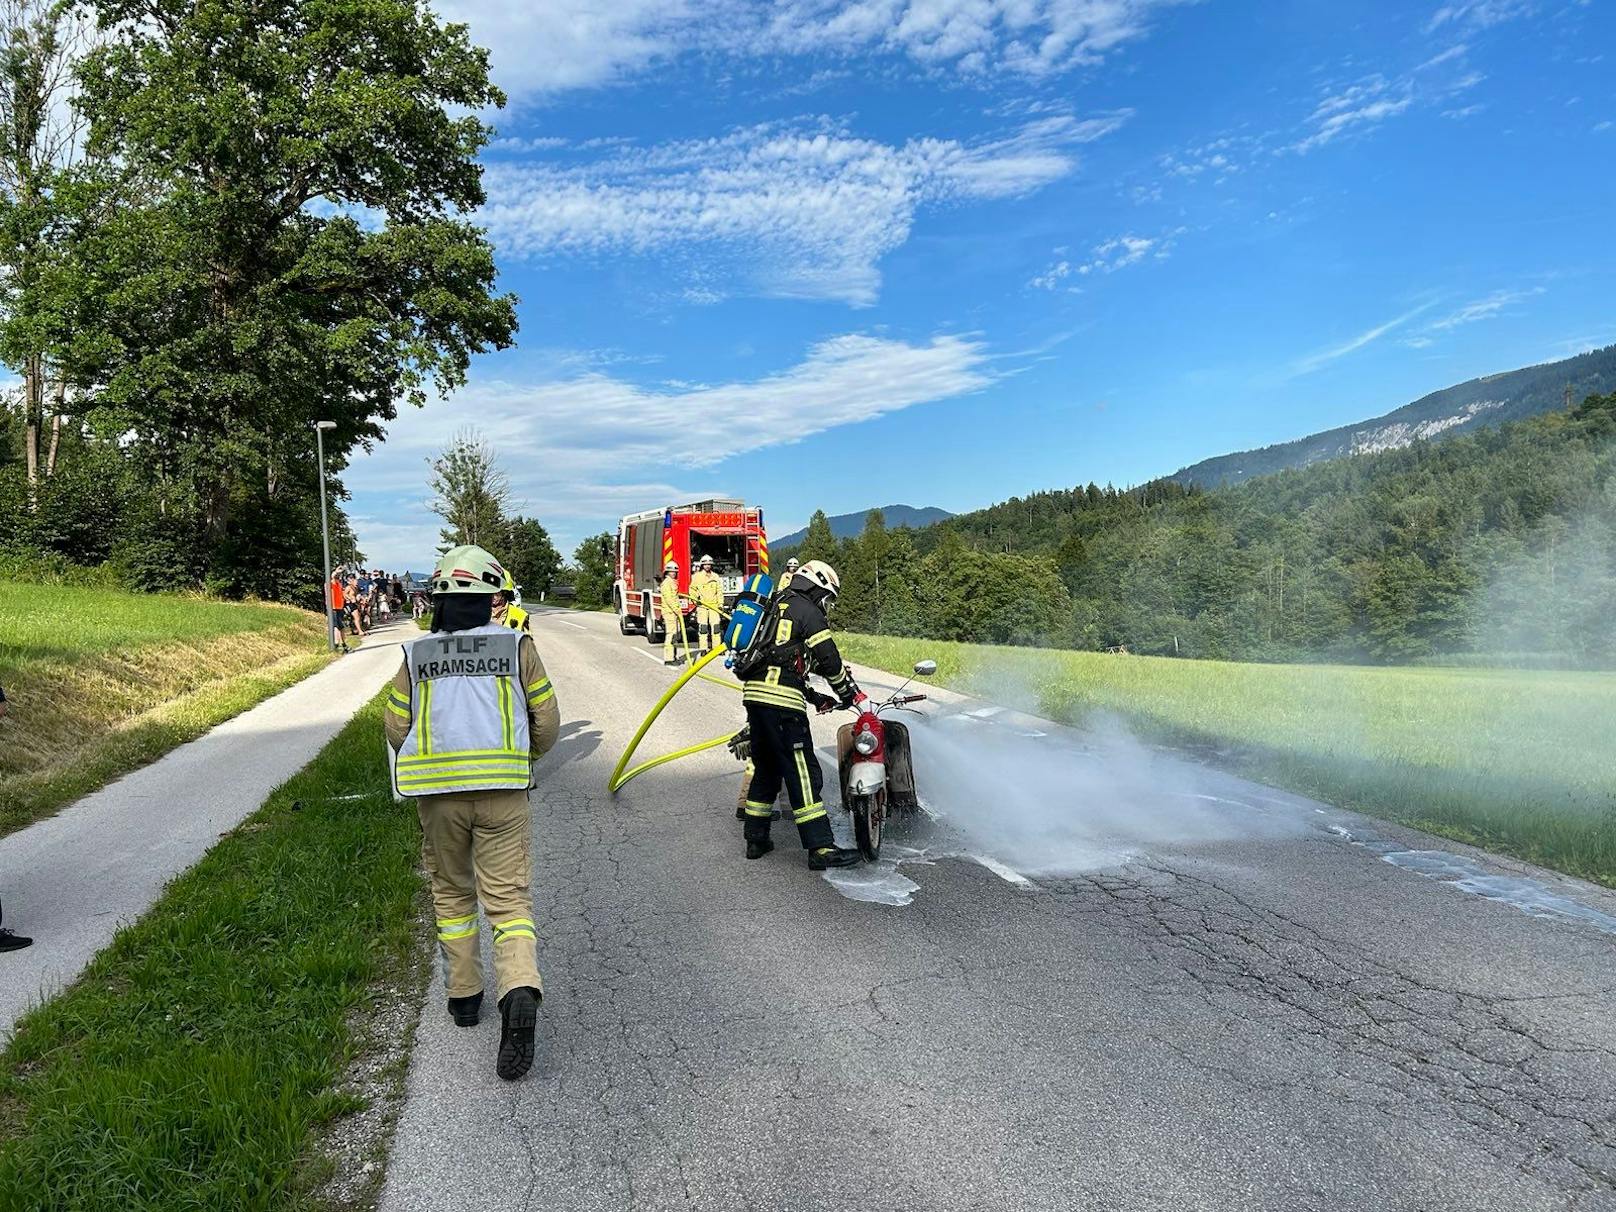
x=728, y=552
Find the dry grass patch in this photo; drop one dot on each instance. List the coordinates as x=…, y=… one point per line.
x=102, y=682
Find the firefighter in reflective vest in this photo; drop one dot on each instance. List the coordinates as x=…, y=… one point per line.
x=707, y=590
x=508, y=610
x=776, y=695
x=468, y=714
x=673, y=616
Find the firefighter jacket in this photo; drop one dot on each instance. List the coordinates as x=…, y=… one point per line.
x=802, y=644
x=672, y=603
x=469, y=711
x=708, y=590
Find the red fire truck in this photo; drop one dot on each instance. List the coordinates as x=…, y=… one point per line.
x=726, y=530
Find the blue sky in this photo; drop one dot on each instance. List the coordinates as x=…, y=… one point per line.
x=839, y=253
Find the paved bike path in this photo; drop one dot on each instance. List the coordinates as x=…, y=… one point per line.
x=72, y=880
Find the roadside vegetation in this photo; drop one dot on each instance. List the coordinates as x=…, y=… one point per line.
x=194, y=1062
x=1516, y=761
x=102, y=681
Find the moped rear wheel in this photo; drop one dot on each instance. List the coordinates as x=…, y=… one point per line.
x=869, y=816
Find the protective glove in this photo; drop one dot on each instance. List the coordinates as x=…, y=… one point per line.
x=741, y=744
x=850, y=693
x=822, y=702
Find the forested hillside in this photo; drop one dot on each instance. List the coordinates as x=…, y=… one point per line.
x=1466, y=407
x=1500, y=544
x=847, y=525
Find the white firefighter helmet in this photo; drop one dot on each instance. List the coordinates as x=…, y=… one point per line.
x=816, y=574
x=792, y=565
x=467, y=569
x=671, y=566
x=707, y=561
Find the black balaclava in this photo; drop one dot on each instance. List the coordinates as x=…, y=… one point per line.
x=461, y=611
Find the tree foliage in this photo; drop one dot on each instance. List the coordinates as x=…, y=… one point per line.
x=592, y=571
x=524, y=547
x=272, y=228
x=470, y=492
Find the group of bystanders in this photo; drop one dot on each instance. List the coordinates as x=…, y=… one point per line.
x=357, y=598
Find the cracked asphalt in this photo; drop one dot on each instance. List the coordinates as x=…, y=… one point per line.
x=1260, y=1016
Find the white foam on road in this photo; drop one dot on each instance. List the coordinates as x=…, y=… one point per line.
x=878, y=883
x=1532, y=897
x=1527, y=895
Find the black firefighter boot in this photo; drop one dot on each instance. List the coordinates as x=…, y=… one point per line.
x=822, y=849
x=757, y=836
x=466, y=1010
x=519, y=1013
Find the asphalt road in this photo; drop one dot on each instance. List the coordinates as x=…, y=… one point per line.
x=1153, y=987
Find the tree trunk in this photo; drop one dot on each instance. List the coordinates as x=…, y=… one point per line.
x=33, y=391
x=55, y=446
x=56, y=427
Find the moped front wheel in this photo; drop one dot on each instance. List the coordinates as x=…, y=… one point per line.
x=869, y=816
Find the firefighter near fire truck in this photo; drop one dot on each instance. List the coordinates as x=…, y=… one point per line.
x=672, y=603
x=708, y=592
x=468, y=713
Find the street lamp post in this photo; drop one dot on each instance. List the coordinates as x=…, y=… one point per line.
x=325, y=528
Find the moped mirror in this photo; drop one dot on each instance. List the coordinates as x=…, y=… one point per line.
x=924, y=669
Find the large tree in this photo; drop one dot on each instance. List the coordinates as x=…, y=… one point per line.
x=306, y=251
x=470, y=492
x=527, y=552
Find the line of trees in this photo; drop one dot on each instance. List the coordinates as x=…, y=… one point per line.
x=1500, y=545
x=219, y=223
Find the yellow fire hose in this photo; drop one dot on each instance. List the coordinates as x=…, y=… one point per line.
x=619, y=779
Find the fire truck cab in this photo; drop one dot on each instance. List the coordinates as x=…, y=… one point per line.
x=726, y=530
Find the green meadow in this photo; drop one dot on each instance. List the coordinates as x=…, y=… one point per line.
x=1518, y=761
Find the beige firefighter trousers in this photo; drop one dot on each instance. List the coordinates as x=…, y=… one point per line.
x=673, y=631
x=478, y=846
x=710, y=624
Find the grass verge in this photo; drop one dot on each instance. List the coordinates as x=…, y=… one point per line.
x=1513, y=760
x=102, y=682
x=194, y=1061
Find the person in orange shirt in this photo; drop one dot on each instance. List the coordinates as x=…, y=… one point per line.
x=334, y=602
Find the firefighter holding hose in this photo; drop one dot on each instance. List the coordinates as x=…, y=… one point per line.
x=469, y=712
x=673, y=616
x=776, y=694
x=707, y=589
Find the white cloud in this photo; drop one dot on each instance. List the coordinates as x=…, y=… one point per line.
x=1477, y=14
x=1601, y=127
x=582, y=450
x=1052, y=277
x=550, y=46
x=804, y=212
x=1484, y=309
x=1114, y=254
x=1360, y=106
x=539, y=46
x=1324, y=357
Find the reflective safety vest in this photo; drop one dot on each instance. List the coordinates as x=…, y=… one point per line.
x=515, y=617
x=468, y=714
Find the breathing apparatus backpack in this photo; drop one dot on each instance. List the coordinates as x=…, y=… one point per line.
x=744, y=636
